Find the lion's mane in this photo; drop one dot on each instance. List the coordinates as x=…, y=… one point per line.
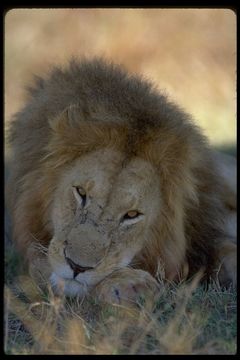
x=127, y=113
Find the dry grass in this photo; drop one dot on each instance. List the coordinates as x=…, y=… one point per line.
x=185, y=320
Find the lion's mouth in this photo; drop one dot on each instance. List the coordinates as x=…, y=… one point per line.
x=77, y=269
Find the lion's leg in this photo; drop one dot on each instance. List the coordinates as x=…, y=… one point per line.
x=127, y=285
x=227, y=167
x=227, y=263
x=227, y=251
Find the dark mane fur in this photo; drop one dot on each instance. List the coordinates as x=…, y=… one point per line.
x=92, y=104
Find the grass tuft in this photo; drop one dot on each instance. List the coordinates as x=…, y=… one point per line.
x=185, y=319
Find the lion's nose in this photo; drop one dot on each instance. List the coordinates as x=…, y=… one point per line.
x=76, y=268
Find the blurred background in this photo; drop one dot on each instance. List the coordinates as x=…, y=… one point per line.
x=189, y=53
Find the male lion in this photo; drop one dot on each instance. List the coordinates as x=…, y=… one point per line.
x=115, y=183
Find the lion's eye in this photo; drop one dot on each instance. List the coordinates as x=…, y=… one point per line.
x=131, y=215
x=82, y=194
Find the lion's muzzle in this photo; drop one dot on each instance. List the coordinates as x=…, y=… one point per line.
x=77, y=269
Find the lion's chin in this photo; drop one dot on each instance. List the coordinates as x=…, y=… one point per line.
x=67, y=287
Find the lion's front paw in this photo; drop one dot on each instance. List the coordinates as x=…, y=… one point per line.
x=129, y=286
x=66, y=287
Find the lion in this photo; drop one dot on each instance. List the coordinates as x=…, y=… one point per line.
x=114, y=189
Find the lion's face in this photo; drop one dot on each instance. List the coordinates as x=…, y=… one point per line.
x=101, y=214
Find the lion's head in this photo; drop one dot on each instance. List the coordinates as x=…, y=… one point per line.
x=108, y=173
x=102, y=212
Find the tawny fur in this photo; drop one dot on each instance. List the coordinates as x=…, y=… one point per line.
x=91, y=105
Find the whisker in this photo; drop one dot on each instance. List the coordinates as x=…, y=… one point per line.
x=38, y=246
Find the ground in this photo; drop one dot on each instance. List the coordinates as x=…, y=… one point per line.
x=185, y=319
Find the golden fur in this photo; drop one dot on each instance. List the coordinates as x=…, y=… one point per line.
x=94, y=110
